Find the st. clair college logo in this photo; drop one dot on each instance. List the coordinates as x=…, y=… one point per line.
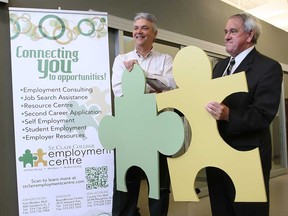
x=33, y=159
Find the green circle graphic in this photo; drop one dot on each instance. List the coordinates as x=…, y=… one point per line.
x=89, y=32
x=18, y=28
x=56, y=36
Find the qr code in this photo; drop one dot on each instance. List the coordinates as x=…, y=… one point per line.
x=97, y=177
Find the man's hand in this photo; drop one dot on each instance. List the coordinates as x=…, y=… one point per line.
x=218, y=111
x=130, y=64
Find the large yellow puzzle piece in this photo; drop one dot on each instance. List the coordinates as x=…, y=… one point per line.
x=192, y=72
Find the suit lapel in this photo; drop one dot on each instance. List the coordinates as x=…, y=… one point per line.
x=218, y=72
x=247, y=61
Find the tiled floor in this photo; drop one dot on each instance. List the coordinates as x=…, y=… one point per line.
x=278, y=197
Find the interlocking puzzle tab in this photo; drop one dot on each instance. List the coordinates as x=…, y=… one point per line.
x=138, y=133
x=192, y=72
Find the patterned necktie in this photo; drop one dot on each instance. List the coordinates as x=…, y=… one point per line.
x=231, y=64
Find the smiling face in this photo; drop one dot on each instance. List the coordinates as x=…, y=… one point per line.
x=143, y=34
x=236, y=39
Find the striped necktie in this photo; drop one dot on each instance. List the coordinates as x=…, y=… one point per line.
x=231, y=64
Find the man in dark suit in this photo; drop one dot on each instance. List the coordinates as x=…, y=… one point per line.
x=244, y=118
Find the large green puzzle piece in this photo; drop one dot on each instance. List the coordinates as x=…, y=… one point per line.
x=192, y=72
x=138, y=133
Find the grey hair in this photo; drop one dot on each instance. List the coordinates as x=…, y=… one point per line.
x=251, y=23
x=148, y=17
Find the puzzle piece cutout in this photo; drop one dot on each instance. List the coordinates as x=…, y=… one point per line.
x=138, y=133
x=192, y=73
x=27, y=158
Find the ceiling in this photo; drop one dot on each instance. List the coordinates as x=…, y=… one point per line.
x=274, y=12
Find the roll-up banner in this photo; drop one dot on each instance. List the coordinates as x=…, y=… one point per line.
x=61, y=90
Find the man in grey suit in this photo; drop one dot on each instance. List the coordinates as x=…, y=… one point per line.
x=244, y=118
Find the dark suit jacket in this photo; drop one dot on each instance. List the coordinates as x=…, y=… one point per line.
x=250, y=114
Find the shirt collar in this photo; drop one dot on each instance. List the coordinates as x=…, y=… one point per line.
x=239, y=58
x=148, y=54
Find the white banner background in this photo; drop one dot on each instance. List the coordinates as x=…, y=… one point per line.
x=61, y=90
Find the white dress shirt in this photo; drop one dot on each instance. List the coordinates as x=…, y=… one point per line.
x=155, y=65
